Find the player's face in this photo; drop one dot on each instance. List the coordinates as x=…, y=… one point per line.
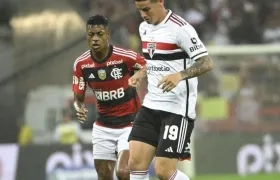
x=149, y=10
x=98, y=37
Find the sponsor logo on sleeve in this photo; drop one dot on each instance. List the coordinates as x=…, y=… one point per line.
x=75, y=80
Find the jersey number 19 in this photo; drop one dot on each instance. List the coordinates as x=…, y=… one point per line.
x=171, y=132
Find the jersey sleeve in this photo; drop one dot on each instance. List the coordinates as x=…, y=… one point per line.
x=136, y=63
x=189, y=41
x=79, y=84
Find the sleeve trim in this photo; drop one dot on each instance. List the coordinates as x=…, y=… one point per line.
x=196, y=56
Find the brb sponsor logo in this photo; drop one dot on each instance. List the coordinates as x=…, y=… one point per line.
x=195, y=45
x=254, y=158
x=157, y=68
x=114, y=62
x=109, y=95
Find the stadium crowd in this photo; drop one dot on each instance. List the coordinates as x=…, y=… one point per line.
x=218, y=22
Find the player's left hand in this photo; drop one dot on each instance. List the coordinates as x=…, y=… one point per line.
x=169, y=82
x=134, y=82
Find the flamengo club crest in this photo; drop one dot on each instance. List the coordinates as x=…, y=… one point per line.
x=151, y=47
x=101, y=74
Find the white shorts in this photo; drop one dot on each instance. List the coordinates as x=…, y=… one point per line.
x=107, y=141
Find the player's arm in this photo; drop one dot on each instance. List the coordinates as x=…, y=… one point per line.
x=79, y=100
x=135, y=80
x=79, y=89
x=189, y=41
x=138, y=65
x=142, y=73
x=201, y=66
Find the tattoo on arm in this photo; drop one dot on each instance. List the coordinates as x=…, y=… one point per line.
x=201, y=66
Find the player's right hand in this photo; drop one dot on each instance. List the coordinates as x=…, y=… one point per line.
x=81, y=111
x=134, y=82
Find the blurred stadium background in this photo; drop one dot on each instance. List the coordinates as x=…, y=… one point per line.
x=237, y=133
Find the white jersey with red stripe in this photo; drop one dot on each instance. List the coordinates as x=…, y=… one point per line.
x=169, y=47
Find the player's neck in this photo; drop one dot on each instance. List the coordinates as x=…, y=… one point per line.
x=101, y=55
x=162, y=15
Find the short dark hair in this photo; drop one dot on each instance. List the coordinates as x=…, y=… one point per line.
x=97, y=20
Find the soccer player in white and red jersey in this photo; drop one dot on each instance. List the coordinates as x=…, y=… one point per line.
x=106, y=69
x=175, y=57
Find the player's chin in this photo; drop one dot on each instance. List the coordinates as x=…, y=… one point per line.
x=148, y=21
x=95, y=48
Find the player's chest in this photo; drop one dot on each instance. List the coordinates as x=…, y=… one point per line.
x=159, y=44
x=94, y=76
x=159, y=35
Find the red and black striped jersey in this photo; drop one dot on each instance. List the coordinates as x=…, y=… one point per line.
x=109, y=81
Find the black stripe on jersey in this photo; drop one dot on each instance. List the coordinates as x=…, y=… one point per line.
x=178, y=19
x=188, y=88
x=168, y=17
x=104, y=59
x=115, y=121
x=109, y=101
x=167, y=57
x=190, y=124
x=198, y=54
x=105, y=73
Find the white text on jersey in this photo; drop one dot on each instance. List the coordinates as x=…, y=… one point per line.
x=87, y=66
x=109, y=95
x=115, y=62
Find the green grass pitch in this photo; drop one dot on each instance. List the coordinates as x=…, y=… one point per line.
x=236, y=177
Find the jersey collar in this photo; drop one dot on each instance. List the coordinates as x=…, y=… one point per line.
x=166, y=17
x=106, y=58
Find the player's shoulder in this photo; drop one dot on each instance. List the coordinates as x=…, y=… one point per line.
x=124, y=53
x=177, y=22
x=143, y=25
x=82, y=58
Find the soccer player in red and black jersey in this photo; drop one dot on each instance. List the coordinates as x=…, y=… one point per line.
x=106, y=69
